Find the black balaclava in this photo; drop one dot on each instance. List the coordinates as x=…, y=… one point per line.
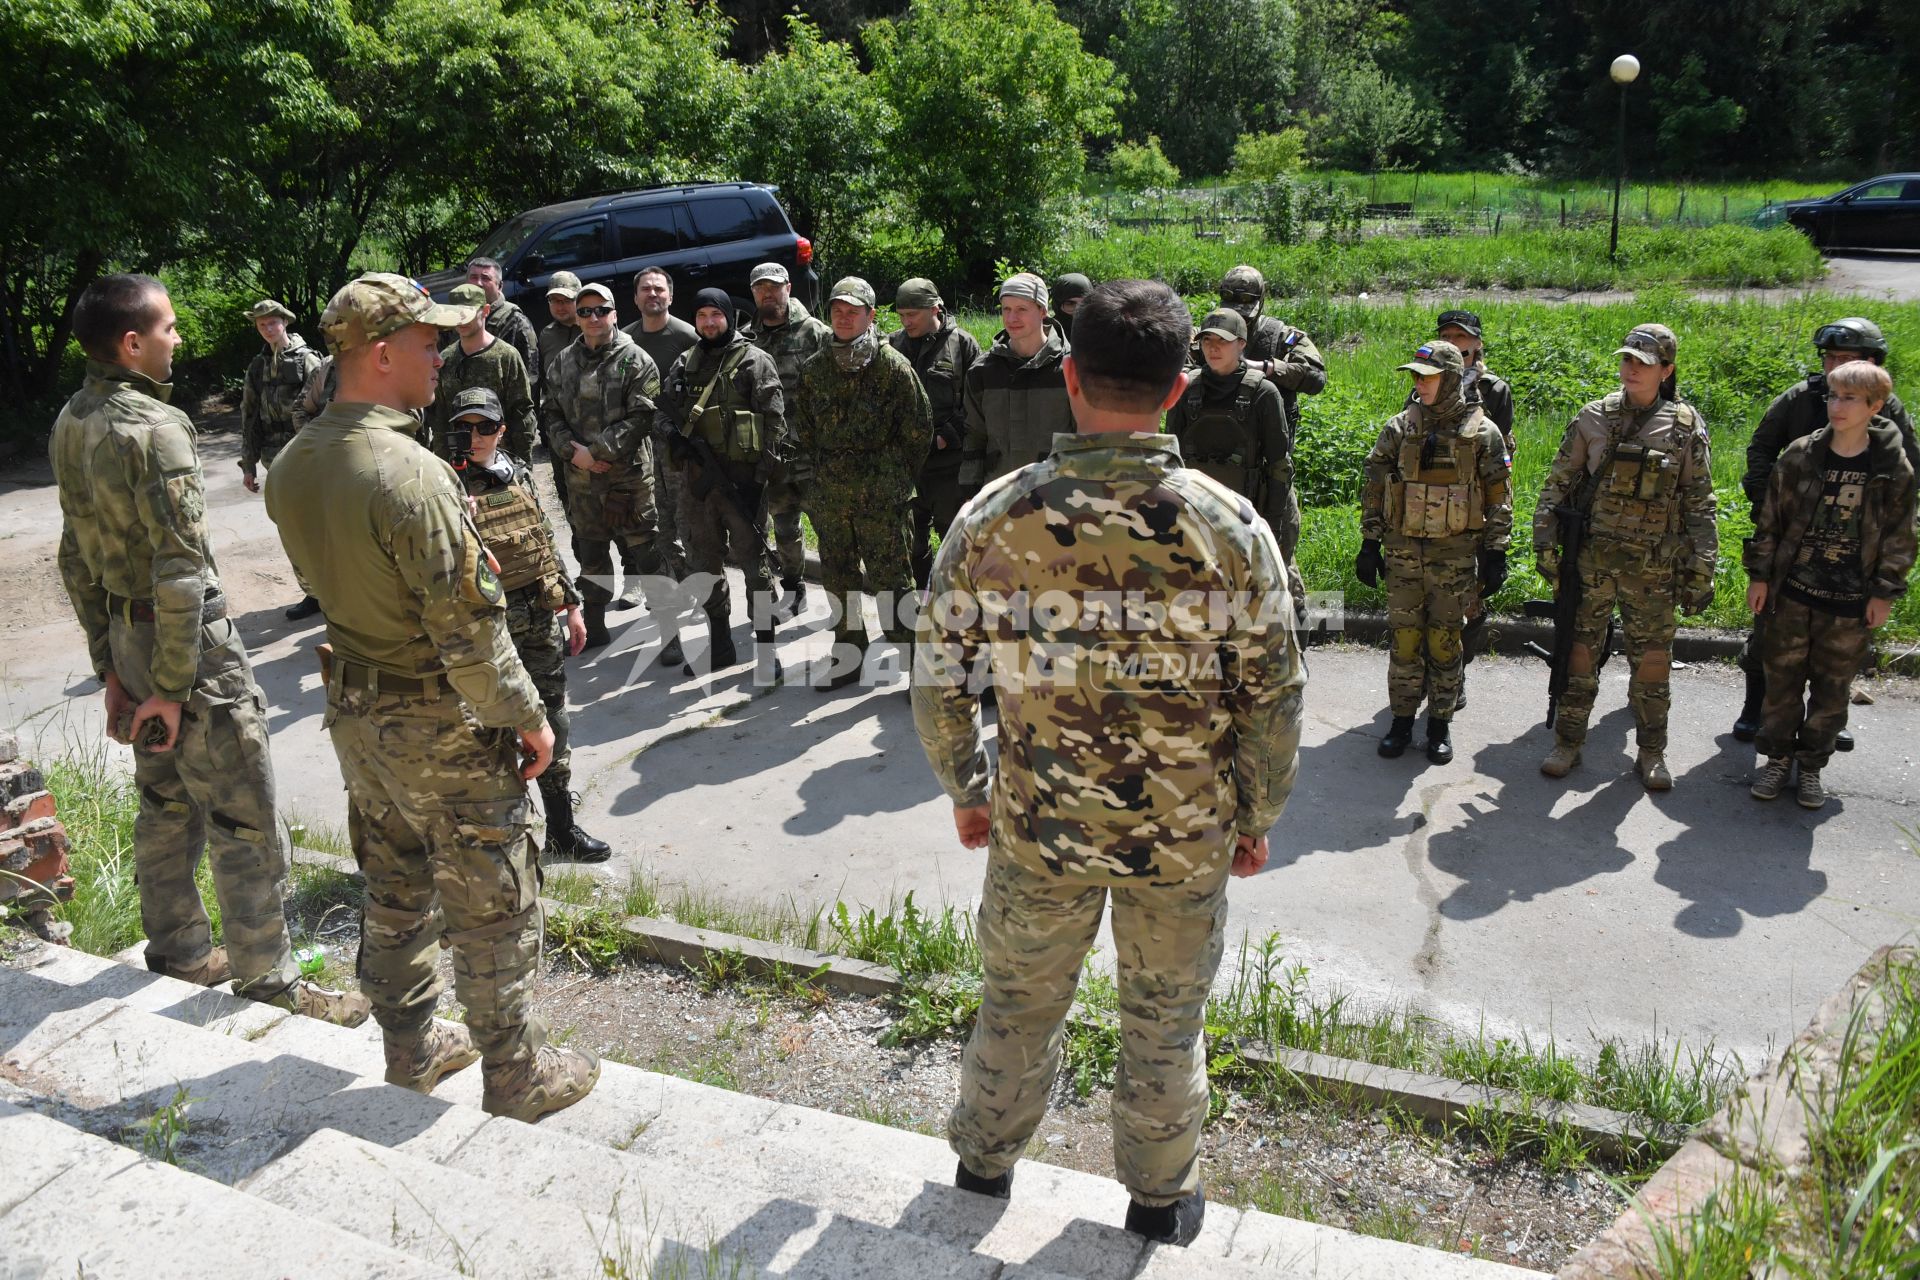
x=717, y=299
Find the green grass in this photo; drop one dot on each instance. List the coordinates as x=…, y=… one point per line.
x=1542, y=196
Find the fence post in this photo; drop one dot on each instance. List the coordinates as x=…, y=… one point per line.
x=1496, y=222
x=1563, y=213
x=1414, y=203
x=1680, y=215
x=1723, y=208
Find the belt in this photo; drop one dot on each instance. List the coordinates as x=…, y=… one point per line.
x=357, y=675
x=212, y=609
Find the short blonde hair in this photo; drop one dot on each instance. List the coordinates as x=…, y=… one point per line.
x=1863, y=378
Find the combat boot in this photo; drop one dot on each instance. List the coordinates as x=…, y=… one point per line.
x=1399, y=735
x=310, y=1000
x=210, y=972
x=1812, y=793
x=1000, y=1188
x=595, y=616
x=1746, y=725
x=566, y=842
x=767, y=670
x=307, y=607
x=1843, y=740
x=420, y=1062
x=552, y=1081
x=1773, y=778
x=1439, y=740
x=1561, y=760
x=629, y=597
x=671, y=654
x=1652, y=768
x=794, y=602
x=720, y=649
x=856, y=665
x=1176, y=1223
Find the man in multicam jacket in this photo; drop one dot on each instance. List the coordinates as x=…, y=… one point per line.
x=1143, y=754
x=269, y=404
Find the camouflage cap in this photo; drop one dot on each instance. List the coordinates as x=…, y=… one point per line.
x=768, y=271
x=564, y=284
x=917, y=294
x=478, y=402
x=1027, y=285
x=268, y=307
x=1070, y=286
x=1225, y=322
x=595, y=288
x=1465, y=321
x=379, y=305
x=1243, y=279
x=1650, y=344
x=1435, y=357
x=467, y=295
x=853, y=289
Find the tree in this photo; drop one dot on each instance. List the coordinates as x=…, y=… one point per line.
x=1138, y=166
x=1371, y=121
x=1200, y=74
x=996, y=99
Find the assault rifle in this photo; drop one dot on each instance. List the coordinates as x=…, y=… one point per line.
x=1564, y=608
x=708, y=473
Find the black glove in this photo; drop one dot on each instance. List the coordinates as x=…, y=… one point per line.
x=1370, y=566
x=1493, y=571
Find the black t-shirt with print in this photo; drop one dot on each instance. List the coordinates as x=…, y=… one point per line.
x=1827, y=573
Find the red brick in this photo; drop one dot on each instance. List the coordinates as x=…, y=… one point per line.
x=19, y=778
x=37, y=850
x=21, y=810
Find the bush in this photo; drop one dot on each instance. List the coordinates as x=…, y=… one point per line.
x=1137, y=167
x=1262, y=157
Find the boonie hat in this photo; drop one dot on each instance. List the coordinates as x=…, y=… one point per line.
x=380, y=304
x=268, y=307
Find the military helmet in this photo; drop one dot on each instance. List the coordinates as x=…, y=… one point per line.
x=1855, y=333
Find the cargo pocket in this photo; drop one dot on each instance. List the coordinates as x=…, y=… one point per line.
x=494, y=855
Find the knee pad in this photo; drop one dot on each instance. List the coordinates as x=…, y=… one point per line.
x=1444, y=646
x=1407, y=642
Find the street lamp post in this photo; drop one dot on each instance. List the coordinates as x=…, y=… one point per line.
x=1625, y=70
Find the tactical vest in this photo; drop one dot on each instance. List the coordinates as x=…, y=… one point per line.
x=511, y=526
x=1636, y=491
x=734, y=433
x=1219, y=439
x=1443, y=498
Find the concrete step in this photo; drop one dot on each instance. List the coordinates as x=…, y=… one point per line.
x=72, y=1204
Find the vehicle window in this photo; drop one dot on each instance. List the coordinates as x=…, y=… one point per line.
x=506, y=239
x=772, y=221
x=725, y=218
x=1912, y=192
x=646, y=230
x=571, y=246
x=1880, y=191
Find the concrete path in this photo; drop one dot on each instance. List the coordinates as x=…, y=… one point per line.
x=1476, y=891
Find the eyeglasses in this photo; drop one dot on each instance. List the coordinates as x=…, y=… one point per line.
x=593, y=313
x=482, y=427
x=1841, y=397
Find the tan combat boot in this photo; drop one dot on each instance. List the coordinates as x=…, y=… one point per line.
x=1560, y=761
x=210, y=972
x=1652, y=768
x=341, y=1008
x=1812, y=793
x=1773, y=778
x=423, y=1061
x=553, y=1081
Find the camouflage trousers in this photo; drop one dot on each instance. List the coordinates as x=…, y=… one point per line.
x=861, y=524
x=785, y=499
x=671, y=541
x=1616, y=574
x=606, y=511
x=1431, y=584
x=716, y=531
x=1035, y=930
x=211, y=795
x=936, y=502
x=541, y=642
x=1810, y=657
x=438, y=817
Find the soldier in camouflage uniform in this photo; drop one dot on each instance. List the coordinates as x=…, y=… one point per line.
x=1797, y=412
x=137, y=566
x=1067, y=292
x=478, y=359
x=863, y=424
x=665, y=337
x=1233, y=426
x=1285, y=354
x=1638, y=462
x=1832, y=545
x=504, y=319
x=1015, y=395
x=726, y=392
x=785, y=331
x=940, y=352
x=429, y=710
x=1434, y=522
x=276, y=379
x=599, y=415
x=1110, y=782
x=554, y=337
x=316, y=393
x=506, y=511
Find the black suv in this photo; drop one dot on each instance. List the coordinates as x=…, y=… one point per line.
x=706, y=234
x=1882, y=213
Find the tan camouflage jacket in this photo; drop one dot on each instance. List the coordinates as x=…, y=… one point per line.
x=378, y=531
x=275, y=382
x=1477, y=432
x=604, y=399
x=134, y=518
x=1151, y=711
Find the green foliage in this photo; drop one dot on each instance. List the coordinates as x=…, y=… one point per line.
x=1371, y=119
x=997, y=97
x=1139, y=166
x=1261, y=157
x=1199, y=74
x=1694, y=124
x=1290, y=210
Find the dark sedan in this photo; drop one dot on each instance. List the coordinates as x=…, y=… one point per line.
x=1882, y=213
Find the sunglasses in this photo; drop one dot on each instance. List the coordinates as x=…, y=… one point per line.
x=593, y=313
x=1239, y=298
x=482, y=427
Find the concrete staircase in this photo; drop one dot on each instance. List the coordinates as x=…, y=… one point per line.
x=296, y=1160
